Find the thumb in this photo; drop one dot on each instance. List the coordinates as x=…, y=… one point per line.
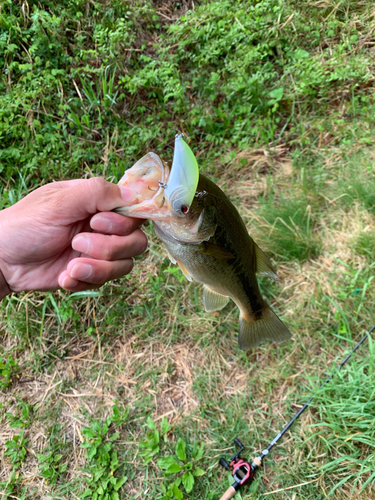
x=94, y=195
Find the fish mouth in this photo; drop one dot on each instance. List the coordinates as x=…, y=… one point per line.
x=165, y=196
x=148, y=179
x=162, y=194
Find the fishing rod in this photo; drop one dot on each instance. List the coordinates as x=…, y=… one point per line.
x=244, y=471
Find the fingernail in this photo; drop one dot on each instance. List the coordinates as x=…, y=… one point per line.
x=81, y=244
x=81, y=271
x=68, y=281
x=129, y=195
x=101, y=224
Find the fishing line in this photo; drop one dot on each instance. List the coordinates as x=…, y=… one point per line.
x=244, y=472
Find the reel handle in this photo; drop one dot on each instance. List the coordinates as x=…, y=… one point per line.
x=224, y=463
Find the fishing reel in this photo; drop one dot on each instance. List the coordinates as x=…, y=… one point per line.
x=243, y=472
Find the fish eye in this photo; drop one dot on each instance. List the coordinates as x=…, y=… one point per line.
x=184, y=209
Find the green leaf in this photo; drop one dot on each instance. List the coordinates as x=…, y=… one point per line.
x=197, y=454
x=277, y=94
x=174, y=468
x=151, y=424
x=165, y=426
x=177, y=492
x=188, y=481
x=166, y=462
x=180, y=449
x=120, y=482
x=300, y=54
x=197, y=472
x=88, y=432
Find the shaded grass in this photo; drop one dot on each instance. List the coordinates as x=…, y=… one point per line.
x=289, y=226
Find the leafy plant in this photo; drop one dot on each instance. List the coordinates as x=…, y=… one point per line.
x=50, y=466
x=102, y=460
x=151, y=447
x=179, y=464
x=24, y=415
x=8, y=368
x=15, y=448
x=13, y=487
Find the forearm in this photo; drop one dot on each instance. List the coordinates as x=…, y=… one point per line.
x=4, y=288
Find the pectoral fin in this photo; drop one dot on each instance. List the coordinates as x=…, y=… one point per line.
x=269, y=327
x=174, y=261
x=264, y=266
x=215, y=251
x=185, y=271
x=213, y=301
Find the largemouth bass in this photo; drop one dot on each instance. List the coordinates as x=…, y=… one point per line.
x=205, y=235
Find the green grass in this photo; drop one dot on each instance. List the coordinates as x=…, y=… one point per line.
x=278, y=100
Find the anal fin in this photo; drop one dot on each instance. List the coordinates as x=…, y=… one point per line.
x=264, y=266
x=268, y=327
x=213, y=301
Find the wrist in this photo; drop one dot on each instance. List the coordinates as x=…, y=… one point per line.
x=4, y=288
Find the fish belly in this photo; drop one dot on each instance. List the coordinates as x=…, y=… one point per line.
x=230, y=278
x=219, y=276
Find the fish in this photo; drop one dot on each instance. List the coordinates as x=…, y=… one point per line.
x=205, y=235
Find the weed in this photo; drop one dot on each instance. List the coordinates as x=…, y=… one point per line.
x=24, y=415
x=15, y=448
x=51, y=466
x=174, y=464
x=150, y=447
x=8, y=370
x=13, y=487
x=102, y=458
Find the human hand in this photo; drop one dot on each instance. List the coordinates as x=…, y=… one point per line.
x=55, y=237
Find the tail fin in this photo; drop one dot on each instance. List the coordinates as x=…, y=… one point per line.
x=269, y=327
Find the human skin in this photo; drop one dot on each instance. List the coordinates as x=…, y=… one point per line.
x=64, y=235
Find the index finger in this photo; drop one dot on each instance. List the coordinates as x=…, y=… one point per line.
x=112, y=223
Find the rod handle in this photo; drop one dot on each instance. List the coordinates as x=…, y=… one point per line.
x=230, y=493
